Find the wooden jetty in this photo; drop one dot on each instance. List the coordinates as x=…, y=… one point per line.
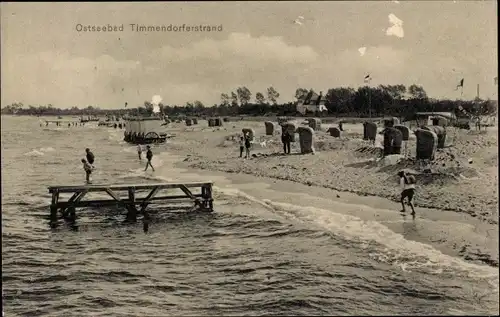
x=67, y=209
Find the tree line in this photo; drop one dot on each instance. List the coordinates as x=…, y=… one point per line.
x=384, y=100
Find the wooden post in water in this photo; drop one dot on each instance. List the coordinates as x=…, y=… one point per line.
x=206, y=192
x=132, y=211
x=53, y=208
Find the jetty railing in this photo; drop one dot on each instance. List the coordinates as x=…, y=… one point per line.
x=67, y=208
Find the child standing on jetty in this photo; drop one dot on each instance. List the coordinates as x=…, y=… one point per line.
x=88, y=170
x=149, y=156
x=407, y=183
x=242, y=146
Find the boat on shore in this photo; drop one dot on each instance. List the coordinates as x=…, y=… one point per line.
x=144, y=130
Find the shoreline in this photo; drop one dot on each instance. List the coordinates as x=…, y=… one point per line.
x=347, y=165
x=360, y=193
x=478, y=246
x=340, y=171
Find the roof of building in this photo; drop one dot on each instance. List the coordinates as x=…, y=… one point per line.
x=312, y=98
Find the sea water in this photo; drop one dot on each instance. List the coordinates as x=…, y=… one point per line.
x=262, y=251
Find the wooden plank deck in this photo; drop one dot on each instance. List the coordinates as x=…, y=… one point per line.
x=202, y=200
x=119, y=187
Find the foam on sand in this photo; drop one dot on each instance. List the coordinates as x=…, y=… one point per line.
x=396, y=250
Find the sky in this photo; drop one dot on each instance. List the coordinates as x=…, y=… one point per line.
x=287, y=45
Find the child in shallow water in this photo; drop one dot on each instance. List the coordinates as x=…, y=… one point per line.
x=407, y=183
x=139, y=151
x=88, y=170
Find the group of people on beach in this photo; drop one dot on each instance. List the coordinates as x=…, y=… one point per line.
x=245, y=144
x=406, y=181
x=88, y=161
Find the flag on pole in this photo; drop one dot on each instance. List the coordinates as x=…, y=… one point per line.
x=367, y=79
x=461, y=84
x=126, y=104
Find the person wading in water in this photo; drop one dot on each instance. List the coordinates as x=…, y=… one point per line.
x=139, y=151
x=149, y=156
x=407, y=183
x=88, y=170
x=90, y=157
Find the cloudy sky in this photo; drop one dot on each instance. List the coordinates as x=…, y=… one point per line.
x=46, y=60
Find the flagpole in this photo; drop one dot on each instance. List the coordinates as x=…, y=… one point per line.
x=370, y=100
x=478, y=109
x=368, y=80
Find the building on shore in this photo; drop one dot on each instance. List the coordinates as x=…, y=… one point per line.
x=312, y=103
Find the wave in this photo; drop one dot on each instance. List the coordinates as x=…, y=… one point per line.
x=39, y=152
x=398, y=251
x=34, y=153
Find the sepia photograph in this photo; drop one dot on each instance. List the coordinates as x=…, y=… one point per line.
x=249, y=158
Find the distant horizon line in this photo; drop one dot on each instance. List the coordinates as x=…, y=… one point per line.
x=210, y=106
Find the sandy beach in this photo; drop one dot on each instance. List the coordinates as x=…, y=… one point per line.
x=464, y=177
x=345, y=170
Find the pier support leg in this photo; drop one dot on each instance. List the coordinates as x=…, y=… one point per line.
x=53, y=216
x=146, y=219
x=131, y=213
x=206, y=192
x=131, y=210
x=144, y=211
x=53, y=209
x=70, y=214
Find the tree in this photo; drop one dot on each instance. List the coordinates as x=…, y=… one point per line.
x=161, y=107
x=272, y=95
x=244, y=95
x=259, y=98
x=188, y=109
x=489, y=108
x=224, y=98
x=397, y=92
x=149, y=107
x=198, y=107
x=234, y=99
x=301, y=93
x=417, y=92
x=340, y=100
